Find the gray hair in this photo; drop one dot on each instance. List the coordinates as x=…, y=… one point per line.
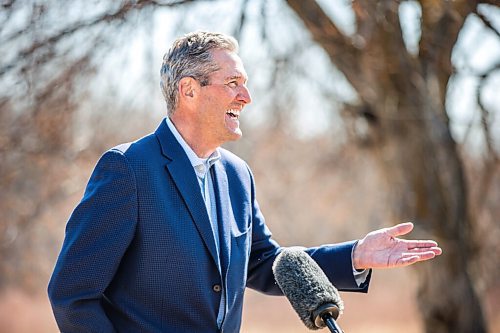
x=190, y=56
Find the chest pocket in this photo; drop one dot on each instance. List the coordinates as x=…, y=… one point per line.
x=241, y=237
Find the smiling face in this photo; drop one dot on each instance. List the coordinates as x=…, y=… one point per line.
x=221, y=101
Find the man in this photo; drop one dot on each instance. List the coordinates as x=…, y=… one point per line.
x=169, y=232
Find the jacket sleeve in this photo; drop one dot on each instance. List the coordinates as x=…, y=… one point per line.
x=97, y=235
x=334, y=259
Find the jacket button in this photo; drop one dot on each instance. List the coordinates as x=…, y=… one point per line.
x=217, y=288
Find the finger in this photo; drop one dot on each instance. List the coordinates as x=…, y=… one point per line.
x=400, y=229
x=424, y=246
x=436, y=250
x=411, y=258
x=421, y=255
x=407, y=261
x=413, y=244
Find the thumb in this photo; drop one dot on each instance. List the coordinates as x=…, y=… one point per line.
x=400, y=229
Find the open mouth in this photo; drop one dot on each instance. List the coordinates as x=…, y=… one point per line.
x=234, y=114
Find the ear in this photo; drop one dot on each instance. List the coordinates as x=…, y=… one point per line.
x=188, y=88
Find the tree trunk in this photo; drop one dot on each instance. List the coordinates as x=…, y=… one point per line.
x=425, y=174
x=402, y=100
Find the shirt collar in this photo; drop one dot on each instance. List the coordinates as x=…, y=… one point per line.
x=200, y=165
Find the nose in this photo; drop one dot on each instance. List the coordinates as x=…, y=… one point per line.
x=244, y=95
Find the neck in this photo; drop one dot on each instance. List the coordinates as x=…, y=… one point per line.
x=193, y=136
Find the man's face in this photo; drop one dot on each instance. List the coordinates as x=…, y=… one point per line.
x=223, y=99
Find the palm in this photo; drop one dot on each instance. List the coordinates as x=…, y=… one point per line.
x=382, y=249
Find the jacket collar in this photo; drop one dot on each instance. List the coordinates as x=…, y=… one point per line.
x=180, y=169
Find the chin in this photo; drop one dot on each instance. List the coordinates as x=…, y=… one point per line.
x=234, y=135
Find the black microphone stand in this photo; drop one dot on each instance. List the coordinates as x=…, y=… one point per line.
x=326, y=315
x=332, y=324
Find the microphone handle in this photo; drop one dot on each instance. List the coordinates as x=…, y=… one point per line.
x=331, y=323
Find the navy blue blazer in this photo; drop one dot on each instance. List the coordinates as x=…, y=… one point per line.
x=139, y=253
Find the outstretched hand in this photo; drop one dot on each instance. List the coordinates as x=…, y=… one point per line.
x=381, y=249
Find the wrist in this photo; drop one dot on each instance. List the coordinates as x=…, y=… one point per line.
x=356, y=256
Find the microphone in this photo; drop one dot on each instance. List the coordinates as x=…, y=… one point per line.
x=313, y=297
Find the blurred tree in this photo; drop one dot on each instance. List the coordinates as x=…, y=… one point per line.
x=50, y=49
x=402, y=101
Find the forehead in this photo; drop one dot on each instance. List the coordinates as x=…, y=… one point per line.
x=230, y=65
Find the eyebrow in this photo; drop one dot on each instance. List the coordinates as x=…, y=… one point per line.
x=237, y=77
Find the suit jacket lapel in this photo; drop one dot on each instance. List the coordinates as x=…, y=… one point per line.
x=184, y=177
x=224, y=214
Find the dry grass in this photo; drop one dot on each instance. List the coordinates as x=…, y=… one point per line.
x=388, y=308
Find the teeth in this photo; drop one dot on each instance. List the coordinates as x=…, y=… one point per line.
x=234, y=112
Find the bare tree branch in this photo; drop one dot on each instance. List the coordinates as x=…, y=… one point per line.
x=485, y=114
x=242, y=20
x=490, y=2
x=118, y=15
x=441, y=24
x=491, y=161
x=340, y=48
x=487, y=23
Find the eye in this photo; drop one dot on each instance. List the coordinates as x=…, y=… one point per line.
x=232, y=84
